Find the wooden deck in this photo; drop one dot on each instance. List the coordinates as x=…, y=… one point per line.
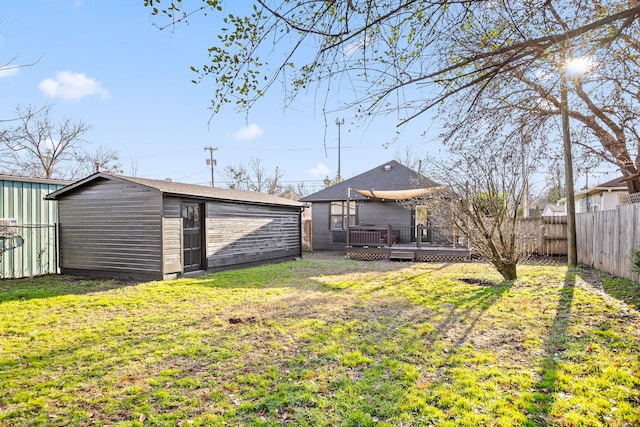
x=419, y=243
x=409, y=253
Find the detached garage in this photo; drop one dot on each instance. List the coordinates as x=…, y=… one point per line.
x=126, y=227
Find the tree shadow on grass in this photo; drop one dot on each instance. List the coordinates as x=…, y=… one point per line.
x=624, y=290
x=55, y=285
x=545, y=390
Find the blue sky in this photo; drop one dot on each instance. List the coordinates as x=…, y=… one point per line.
x=103, y=62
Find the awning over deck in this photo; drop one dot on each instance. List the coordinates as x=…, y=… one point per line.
x=399, y=195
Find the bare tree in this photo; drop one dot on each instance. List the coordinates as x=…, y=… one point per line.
x=603, y=104
x=39, y=147
x=411, y=159
x=484, y=188
x=255, y=178
x=103, y=159
x=407, y=57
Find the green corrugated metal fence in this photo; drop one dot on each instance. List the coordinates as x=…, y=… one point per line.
x=28, y=251
x=22, y=199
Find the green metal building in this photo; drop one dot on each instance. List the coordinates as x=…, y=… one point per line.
x=27, y=226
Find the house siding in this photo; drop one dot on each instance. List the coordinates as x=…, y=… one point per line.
x=111, y=228
x=385, y=213
x=241, y=234
x=323, y=237
x=368, y=213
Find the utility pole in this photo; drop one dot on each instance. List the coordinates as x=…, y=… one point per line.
x=572, y=256
x=211, y=161
x=339, y=123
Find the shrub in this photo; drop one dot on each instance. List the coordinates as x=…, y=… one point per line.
x=635, y=260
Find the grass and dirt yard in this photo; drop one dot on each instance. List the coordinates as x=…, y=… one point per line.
x=324, y=342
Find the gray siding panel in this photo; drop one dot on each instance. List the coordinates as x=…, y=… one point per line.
x=171, y=207
x=172, y=249
x=247, y=234
x=172, y=236
x=368, y=213
x=112, y=226
x=323, y=236
x=382, y=214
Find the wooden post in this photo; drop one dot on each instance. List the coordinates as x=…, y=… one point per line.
x=389, y=236
x=419, y=229
x=348, y=219
x=541, y=237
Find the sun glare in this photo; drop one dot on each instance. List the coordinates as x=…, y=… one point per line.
x=579, y=65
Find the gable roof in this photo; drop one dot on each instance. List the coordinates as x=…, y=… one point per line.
x=616, y=184
x=388, y=176
x=180, y=189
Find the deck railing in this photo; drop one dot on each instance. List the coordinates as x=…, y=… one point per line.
x=390, y=235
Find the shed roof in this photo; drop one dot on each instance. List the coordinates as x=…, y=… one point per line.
x=180, y=189
x=389, y=176
x=21, y=178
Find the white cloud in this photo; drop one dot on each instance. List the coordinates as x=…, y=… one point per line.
x=320, y=171
x=8, y=71
x=72, y=86
x=252, y=131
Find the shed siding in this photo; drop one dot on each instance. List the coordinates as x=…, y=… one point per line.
x=172, y=236
x=172, y=248
x=239, y=234
x=112, y=227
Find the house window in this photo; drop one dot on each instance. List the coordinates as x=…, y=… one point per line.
x=339, y=214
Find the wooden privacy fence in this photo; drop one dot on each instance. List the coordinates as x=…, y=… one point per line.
x=543, y=236
x=605, y=239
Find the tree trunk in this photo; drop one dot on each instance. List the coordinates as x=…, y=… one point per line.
x=633, y=184
x=506, y=269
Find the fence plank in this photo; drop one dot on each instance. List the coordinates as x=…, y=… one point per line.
x=543, y=236
x=606, y=239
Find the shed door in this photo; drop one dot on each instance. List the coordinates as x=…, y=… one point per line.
x=192, y=236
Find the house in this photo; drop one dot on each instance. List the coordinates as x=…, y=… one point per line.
x=369, y=199
x=554, y=209
x=127, y=227
x=602, y=197
x=27, y=226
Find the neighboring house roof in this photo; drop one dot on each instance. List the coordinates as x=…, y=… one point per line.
x=616, y=184
x=20, y=178
x=554, y=209
x=388, y=176
x=180, y=189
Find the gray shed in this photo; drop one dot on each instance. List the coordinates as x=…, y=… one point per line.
x=126, y=227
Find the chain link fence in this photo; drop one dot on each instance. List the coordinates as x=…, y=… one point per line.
x=27, y=251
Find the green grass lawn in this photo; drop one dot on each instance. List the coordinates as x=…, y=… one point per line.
x=324, y=343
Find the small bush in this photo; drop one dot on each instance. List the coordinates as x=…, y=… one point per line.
x=635, y=260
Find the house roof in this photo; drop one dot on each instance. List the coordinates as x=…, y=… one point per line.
x=552, y=207
x=180, y=189
x=616, y=184
x=389, y=176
